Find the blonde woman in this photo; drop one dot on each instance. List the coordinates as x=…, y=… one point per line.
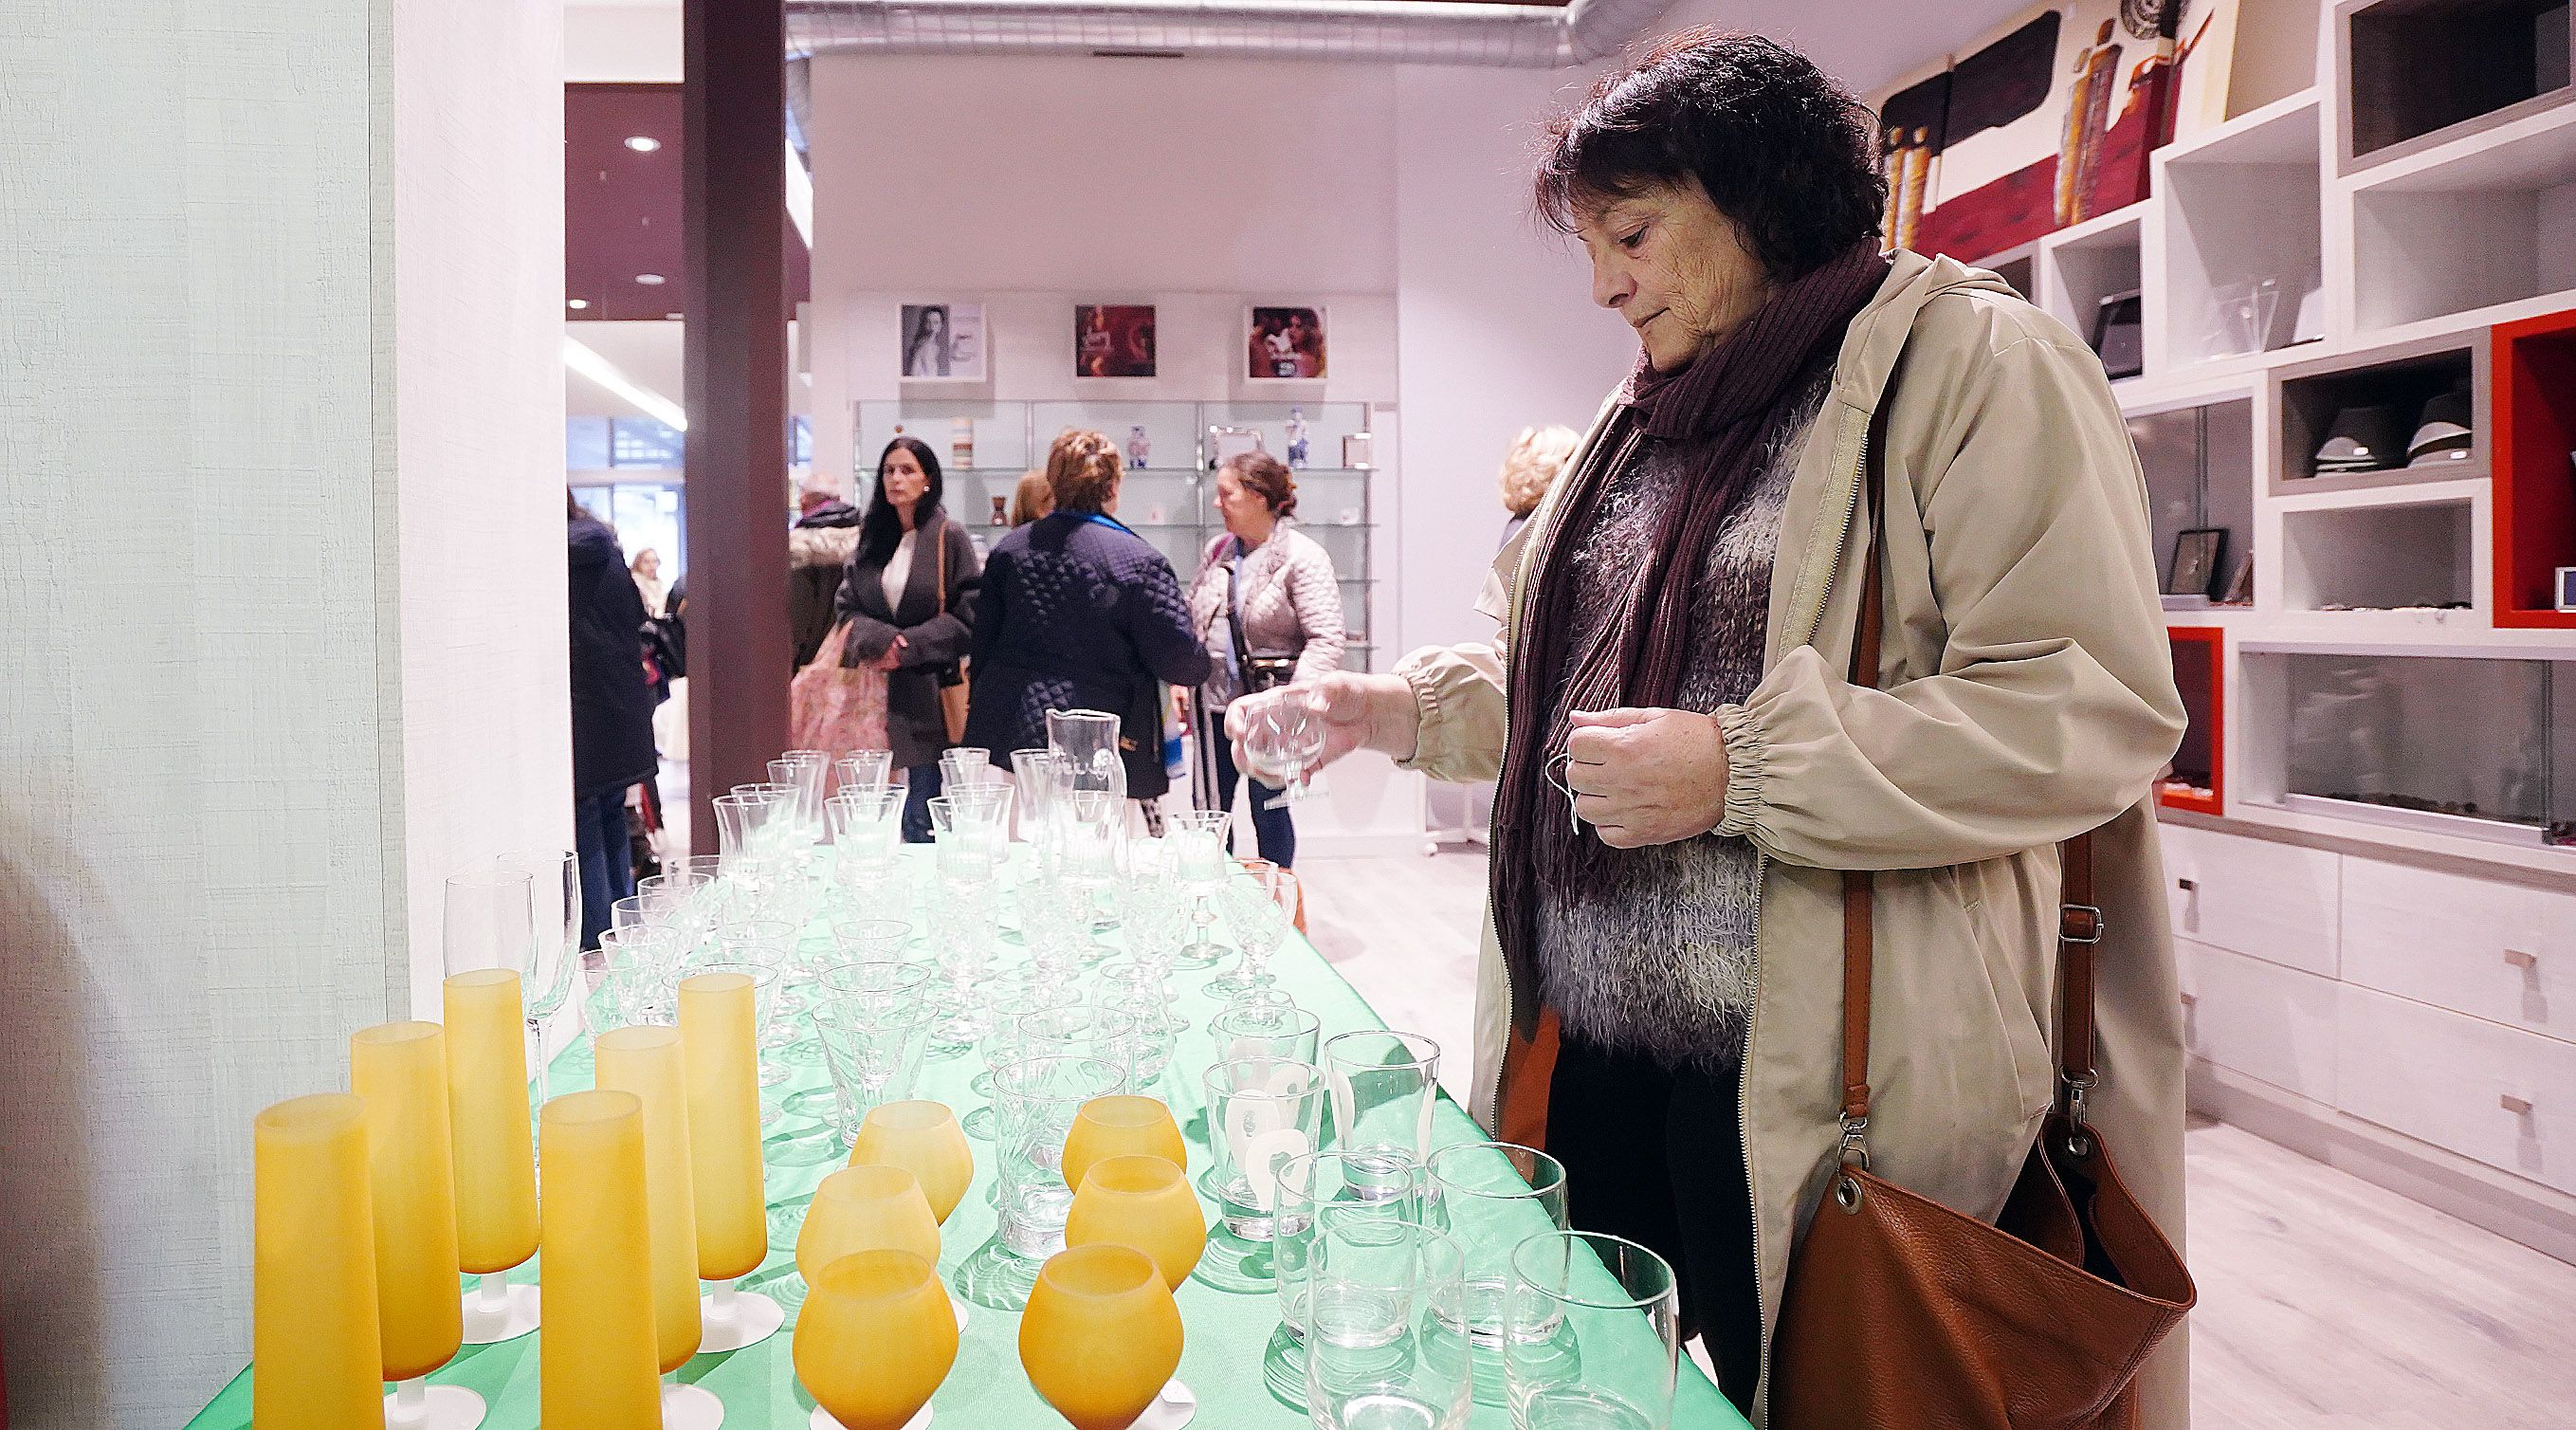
x=1530, y=468
x=1032, y=498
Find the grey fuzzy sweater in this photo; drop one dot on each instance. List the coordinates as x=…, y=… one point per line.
x=1668, y=971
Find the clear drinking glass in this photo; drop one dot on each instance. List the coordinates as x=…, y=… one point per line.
x=1037, y=1098
x=1277, y=1029
x=554, y=962
x=865, y=769
x=1368, y=1184
x=1590, y=1333
x=872, y=1019
x=1089, y=738
x=1259, y=910
x=1383, y=1344
x=1262, y=1113
x=1490, y=1197
x=965, y=766
x=1197, y=841
x=1283, y=736
x=1044, y=777
x=1384, y=1085
x=805, y=773
x=1001, y=1044
x=867, y=827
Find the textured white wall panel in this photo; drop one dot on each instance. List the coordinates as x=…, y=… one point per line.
x=206, y=722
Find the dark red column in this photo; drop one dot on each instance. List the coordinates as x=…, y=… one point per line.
x=735, y=216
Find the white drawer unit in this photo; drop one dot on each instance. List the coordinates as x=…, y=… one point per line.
x=2260, y=1019
x=2497, y=951
x=2497, y=1094
x=2266, y=900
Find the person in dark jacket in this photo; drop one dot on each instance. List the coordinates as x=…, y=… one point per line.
x=612, y=712
x=1078, y=612
x=909, y=596
x=818, y=551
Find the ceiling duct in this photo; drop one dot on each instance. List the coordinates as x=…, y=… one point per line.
x=1392, y=31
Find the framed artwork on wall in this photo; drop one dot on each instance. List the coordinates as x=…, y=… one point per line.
x=1283, y=343
x=2195, y=561
x=1113, y=340
x=941, y=342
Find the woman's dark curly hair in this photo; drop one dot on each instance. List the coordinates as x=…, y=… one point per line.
x=1783, y=150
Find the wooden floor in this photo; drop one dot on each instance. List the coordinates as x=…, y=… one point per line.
x=2324, y=1300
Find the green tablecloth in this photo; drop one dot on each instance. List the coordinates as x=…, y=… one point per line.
x=1227, y=1334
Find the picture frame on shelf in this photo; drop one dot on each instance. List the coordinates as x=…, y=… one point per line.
x=1228, y=442
x=2196, y=554
x=1113, y=340
x=2566, y=588
x=2119, y=335
x=940, y=341
x=1283, y=342
x=2240, y=587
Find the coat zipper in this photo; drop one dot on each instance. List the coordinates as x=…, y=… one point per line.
x=1761, y=871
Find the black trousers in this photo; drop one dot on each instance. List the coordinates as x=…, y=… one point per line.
x=1657, y=1156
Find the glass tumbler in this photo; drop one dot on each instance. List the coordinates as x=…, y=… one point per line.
x=1384, y=1086
x=1383, y=1341
x=1590, y=1333
x=1037, y=1099
x=1369, y=1184
x=1490, y=1197
x=1263, y=1113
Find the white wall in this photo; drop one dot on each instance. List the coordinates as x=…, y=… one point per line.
x=211, y=807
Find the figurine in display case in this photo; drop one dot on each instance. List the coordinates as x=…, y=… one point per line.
x=1140, y=449
x=1297, y=447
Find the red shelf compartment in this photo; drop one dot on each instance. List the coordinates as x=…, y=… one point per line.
x=2535, y=480
x=2199, y=779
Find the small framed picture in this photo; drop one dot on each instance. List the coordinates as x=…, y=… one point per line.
x=2197, y=553
x=942, y=342
x=1113, y=340
x=2118, y=337
x=2566, y=588
x=1225, y=442
x=1283, y=344
x=2240, y=587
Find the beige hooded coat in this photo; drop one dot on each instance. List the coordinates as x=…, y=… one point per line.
x=2026, y=696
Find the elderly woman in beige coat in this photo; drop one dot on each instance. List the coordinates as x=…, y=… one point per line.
x=1661, y=994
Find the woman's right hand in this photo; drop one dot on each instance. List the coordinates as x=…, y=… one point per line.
x=1360, y=712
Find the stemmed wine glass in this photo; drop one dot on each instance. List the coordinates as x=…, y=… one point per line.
x=1283, y=734
x=1259, y=909
x=554, y=896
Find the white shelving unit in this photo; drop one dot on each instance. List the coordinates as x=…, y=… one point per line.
x=2361, y=975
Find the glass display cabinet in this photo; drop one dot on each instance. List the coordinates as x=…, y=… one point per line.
x=2473, y=746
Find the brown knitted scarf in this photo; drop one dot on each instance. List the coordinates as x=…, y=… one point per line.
x=1720, y=405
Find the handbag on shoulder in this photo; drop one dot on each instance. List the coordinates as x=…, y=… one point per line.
x=954, y=693
x=1259, y=672
x=1901, y=1312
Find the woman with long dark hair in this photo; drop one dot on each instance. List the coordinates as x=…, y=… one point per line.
x=926, y=348
x=909, y=600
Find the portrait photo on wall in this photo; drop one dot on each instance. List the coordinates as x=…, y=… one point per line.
x=1283, y=344
x=1113, y=340
x=942, y=342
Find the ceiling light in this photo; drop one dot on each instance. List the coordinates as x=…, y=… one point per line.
x=590, y=364
x=576, y=302
x=642, y=143
x=650, y=280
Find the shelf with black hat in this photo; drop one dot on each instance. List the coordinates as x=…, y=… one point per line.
x=2384, y=417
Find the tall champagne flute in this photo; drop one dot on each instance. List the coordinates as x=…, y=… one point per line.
x=554, y=891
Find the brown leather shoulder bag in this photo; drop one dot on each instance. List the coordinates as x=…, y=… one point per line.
x=1901, y=1312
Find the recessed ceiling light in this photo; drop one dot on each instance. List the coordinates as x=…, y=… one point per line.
x=576, y=302
x=649, y=280
x=642, y=143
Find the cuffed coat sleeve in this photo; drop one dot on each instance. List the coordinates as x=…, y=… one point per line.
x=946, y=636
x=2053, y=706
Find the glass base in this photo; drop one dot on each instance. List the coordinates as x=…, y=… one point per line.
x=1197, y=957
x=416, y=1405
x=996, y=1277
x=803, y=1146
x=1240, y=981
x=810, y=1102
x=1283, y=1368
x=505, y=1317
x=1238, y=1265
x=750, y=1319
x=981, y=1124
x=689, y=1407
x=1177, y=1406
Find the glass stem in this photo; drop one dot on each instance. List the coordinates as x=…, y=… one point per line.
x=411, y=1402
x=721, y=1301
x=492, y=1292
x=537, y=1055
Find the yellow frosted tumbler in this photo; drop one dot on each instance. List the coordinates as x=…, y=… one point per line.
x=717, y=1032
x=1101, y=1335
x=316, y=1356
x=867, y=1208
x=875, y=1339
x=924, y=1139
x=399, y=1070
x=647, y=1062
x=599, y=1369
x=1121, y=1125
x=1143, y=1202
x=487, y=1099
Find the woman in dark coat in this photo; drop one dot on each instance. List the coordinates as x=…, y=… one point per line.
x=909, y=598
x=612, y=712
x=1078, y=612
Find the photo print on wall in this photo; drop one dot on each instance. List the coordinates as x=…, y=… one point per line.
x=942, y=342
x=1113, y=340
x=1283, y=344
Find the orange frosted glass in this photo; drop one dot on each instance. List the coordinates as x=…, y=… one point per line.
x=875, y=1338
x=1101, y=1335
x=400, y=1071
x=487, y=1100
x=866, y=1208
x=316, y=1357
x=597, y=1368
x=718, y=1029
x=1143, y=1202
x=647, y=1062
x=924, y=1139
x=1122, y=1125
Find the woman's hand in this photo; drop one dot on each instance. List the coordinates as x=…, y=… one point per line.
x=1645, y=777
x=893, y=657
x=1360, y=712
